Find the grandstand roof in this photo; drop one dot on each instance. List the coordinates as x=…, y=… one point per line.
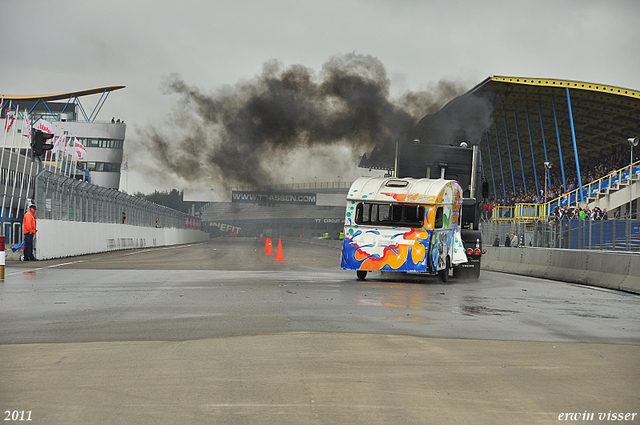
x=60, y=96
x=602, y=114
x=516, y=116
x=72, y=98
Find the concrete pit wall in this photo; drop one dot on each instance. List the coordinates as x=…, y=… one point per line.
x=613, y=270
x=57, y=239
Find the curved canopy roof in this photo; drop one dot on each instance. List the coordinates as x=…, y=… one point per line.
x=521, y=122
x=32, y=101
x=61, y=96
x=603, y=115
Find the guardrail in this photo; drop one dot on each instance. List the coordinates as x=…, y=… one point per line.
x=610, y=235
x=59, y=197
x=519, y=212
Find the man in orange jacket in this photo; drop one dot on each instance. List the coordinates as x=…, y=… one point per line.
x=29, y=230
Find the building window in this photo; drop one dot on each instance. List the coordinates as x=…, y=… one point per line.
x=109, y=167
x=102, y=143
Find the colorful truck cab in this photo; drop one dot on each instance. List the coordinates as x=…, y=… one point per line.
x=403, y=225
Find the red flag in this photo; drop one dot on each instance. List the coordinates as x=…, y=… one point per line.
x=7, y=124
x=81, y=151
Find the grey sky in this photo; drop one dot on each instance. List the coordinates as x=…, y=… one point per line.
x=51, y=47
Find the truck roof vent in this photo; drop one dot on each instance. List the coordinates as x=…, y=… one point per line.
x=396, y=183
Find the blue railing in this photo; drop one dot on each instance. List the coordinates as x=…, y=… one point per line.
x=595, y=187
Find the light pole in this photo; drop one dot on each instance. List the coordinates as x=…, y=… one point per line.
x=633, y=141
x=547, y=167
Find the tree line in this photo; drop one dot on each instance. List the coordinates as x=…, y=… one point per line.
x=171, y=199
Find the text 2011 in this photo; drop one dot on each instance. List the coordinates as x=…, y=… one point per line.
x=17, y=415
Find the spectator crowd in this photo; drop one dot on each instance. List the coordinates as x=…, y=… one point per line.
x=591, y=170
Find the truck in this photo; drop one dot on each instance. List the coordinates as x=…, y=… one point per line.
x=424, y=224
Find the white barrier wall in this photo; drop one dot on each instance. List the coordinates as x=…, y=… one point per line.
x=56, y=239
x=613, y=270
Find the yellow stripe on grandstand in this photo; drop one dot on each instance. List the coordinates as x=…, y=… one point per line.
x=550, y=82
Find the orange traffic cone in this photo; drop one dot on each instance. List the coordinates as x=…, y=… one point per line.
x=268, y=247
x=279, y=252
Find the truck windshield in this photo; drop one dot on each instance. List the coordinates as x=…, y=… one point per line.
x=389, y=214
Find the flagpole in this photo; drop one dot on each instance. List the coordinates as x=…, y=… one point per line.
x=4, y=145
x=51, y=154
x=24, y=170
x=58, y=163
x=29, y=182
x=15, y=176
x=74, y=160
x=65, y=161
x=59, y=143
x=68, y=154
x=55, y=169
x=54, y=154
x=44, y=166
x=51, y=157
x=4, y=192
x=29, y=134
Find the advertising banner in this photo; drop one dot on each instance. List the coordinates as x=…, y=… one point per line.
x=252, y=197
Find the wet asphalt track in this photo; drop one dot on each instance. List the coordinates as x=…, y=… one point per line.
x=220, y=333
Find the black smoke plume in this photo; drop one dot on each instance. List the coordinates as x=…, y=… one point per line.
x=242, y=135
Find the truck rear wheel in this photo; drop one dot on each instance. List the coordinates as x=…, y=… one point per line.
x=443, y=274
x=362, y=274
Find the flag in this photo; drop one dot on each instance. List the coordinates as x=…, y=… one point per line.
x=45, y=126
x=7, y=124
x=27, y=125
x=13, y=119
x=81, y=151
x=58, y=143
x=6, y=116
x=67, y=145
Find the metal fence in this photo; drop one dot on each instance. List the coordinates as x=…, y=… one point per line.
x=59, y=197
x=615, y=235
